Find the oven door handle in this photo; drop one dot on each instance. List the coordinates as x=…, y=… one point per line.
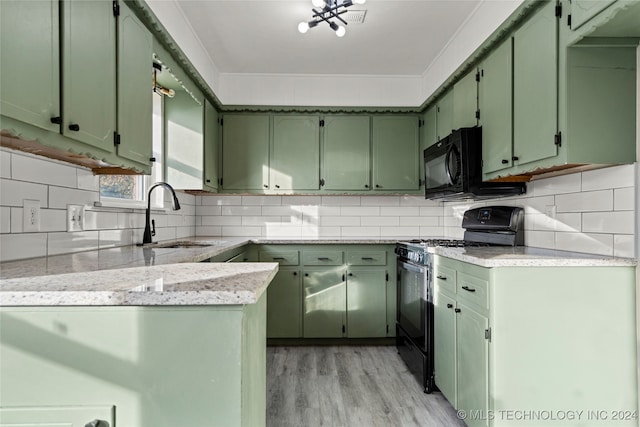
x=412, y=267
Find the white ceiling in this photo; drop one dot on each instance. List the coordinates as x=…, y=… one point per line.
x=398, y=37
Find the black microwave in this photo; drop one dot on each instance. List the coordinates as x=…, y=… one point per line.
x=453, y=169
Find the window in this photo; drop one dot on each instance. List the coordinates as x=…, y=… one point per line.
x=132, y=189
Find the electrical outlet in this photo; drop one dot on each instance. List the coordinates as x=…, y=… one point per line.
x=75, y=217
x=31, y=216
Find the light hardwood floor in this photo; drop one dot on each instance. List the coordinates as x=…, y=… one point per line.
x=355, y=386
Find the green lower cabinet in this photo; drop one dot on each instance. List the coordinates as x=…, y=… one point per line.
x=445, y=346
x=70, y=416
x=325, y=302
x=284, y=304
x=366, y=301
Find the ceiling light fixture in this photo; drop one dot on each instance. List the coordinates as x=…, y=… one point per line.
x=330, y=9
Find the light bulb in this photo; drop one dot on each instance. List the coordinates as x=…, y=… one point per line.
x=318, y=3
x=341, y=31
x=303, y=27
x=359, y=1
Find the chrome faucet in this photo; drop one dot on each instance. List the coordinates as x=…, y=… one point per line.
x=150, y=226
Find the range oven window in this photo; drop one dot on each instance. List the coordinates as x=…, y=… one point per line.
x=412, y=298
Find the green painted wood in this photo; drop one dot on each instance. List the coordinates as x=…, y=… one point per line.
x=45, y=416
x=396, y=143
x=295, y=153
x=472, y=364
x=444, y=115
x=211, y=147
x=325, y=302
x=444, y=345
x=184, y=162
x=366, y=301
x=135, y=56
x=321, y=256
x=245, y=152
x=156, y=365
x=284, y=304
x=429, y=128
x=30, y=69
x=583, y=10
x=346, y=153
x=89, y=73
x=535, y=87
x=496, y=111
x=465, y=101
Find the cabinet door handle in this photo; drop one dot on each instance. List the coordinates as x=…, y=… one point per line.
x=56, y=120
x=367, y=258
x=366, y=186
x=378, y=186
x=97, y=423
x=265, y=186
x=449, y=305
x=278, y=257
x=468, y=289
x=208, y=181
x=323, y=259
x=350, y=274
x=515, y=158
x=277, y=186
x=505, y=161
x=457, y=310
x=74, y=127
x=295, y=273
x=306, y=274
x=441, y=277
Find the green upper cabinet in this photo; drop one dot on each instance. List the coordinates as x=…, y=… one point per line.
x=496, y=108
x=444, y=115
x=295, y=153
x=346, y=153
x=428, y=130
x=184, y=141
x=135, y=53
x=89, y=73
x=583, y=10
x=211, y=146
x=535, y=87
x=465, y=101
x=30, y=70
x=245, y=152
x=396, y=143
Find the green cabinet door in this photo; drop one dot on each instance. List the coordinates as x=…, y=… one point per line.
x=535, y=87
x=444, y=345
x=444, y=115
x=346, y=153
x=135, y=56
x=325, y=302
x=295, y=155
x=584, y=10
x=465, y=101
x=89, y=73
x=183, y=140
x=396, y=143
x=366, y=302
x=496, y=108
x=50, y=416
x=245, y=152
x=429, y=130
x=284, y=304
x=211, y=145
x=472, y=364
x=29, y=69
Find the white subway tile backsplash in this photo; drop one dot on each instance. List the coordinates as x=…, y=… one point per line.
x=25, y=245
x=556, y=185
x=113, y=238
x=221, y=220
x=261, y=220
x=433, y=233
x=618, y=222
x=388, y=221
x=261, y=200
x=418, y=201
x=341, y=200
x=241, y=210
x=569, y=222
x=97, y=220
x=400, y=232
x=301, y=200
x=208, y=210
x=246, y=231
x=422, y=221
x=87, y=180
x=219, y=200
x=590, y=201
x=624, y=245
x=380, y=201
x=13, y=193
x=537, y=205
x=53, y=220
x=360, y=211
x=624, y=199
x=5, y=164
x=400, y=211
x=42, y=171
x=60, y=197
x=540, y=239
x=283, y=230
x=612, y=177
x=437, y=211
x=184, y=232
x=62, y=243
x=286, y=210
x=209, y=230
x=360, y=231
x=340, y=221
x=5, y=219
x=309, y=232
x=17, y=220
x=601, y=244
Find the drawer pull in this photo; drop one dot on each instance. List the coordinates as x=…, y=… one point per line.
x=457, y=310
x=278, y=257
x=323, y=259
x=367, y=258
x=441, y=277
x=468, y=289
x=449, y=305
x=74, y=127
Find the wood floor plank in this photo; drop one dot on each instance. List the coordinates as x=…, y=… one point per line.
x=340, y=386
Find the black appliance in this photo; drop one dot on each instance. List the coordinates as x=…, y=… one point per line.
x=487, y=226
x=453, y=169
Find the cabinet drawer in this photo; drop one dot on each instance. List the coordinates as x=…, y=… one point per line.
x=322, y=257
x=281, y=257
x=445, y=279
x=473, y=290
x=367, y=257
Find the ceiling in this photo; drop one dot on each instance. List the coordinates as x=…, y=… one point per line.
x=398, y=37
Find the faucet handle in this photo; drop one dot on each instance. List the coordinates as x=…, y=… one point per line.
x=153, y=227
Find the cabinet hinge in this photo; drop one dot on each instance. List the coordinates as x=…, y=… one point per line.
x=557, y=139
x=344, y=329
x=116, y=138
x=558, y=10
x=387, y=329
x=478, y=76
x=487, y=334
x=116, y=8
x=322, y=123
x=478, y=114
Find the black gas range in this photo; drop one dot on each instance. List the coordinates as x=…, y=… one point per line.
x=487, y=226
